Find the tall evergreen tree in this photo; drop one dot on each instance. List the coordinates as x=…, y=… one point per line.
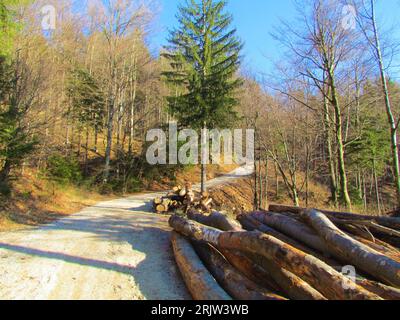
x=204, y=56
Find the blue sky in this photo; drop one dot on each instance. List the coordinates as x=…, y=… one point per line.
x=255, y=20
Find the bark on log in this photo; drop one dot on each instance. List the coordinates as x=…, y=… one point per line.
x=384, y=291
x=234, y=283
x=206, y=204
x=353, y=251
x=290, y=284
x=161, y=208
x=318, y=274
x=270, y=275
x=199, y=281
x=216, y=220
x=252, y=224
x=368, y=224
x=292, y=228
x=380, y=247
x=251, y=270
x=389, y=222
x=273, y=276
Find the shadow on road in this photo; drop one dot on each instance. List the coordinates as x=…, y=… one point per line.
x=155, y=275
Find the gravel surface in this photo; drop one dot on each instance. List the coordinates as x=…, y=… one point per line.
x=115, y=250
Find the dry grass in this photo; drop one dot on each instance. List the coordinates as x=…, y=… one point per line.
x=35, y=202
x=239, y=195
x=189, y=174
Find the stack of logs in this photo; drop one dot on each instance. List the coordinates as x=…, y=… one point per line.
x=182, y=199
x=288, y=253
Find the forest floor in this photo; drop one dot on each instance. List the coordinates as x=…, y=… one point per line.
x=113, y=250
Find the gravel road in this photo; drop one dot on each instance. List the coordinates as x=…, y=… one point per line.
x=115, y=250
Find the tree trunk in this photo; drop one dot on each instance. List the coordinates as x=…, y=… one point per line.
x=331, y=161
x=390, y=222
x=356, y=253
x=276, y=181
x=391, y=119
x=251, y=224
x=199, y=281
x=215, y=220
x=110, y=130
x=204, y=159
x=266, y=197
x=235, y=284
x=319, y=275
x=292, y=228
x=86, y=151
x=378, y=203
x=132, y=109
x=251, y=270
x=5, y=172
x=385, y=292
x=344, y=193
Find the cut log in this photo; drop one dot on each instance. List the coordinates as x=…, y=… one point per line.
x=385, y=292
x=370, y=224
x=390, y=222
x=205, y=195
x=318, y=274
x=292, y=228
x=290, y=284
x=356, y=253
x=234, y=283
x=270, y=275
x=161, y=208
x=380, y=247
x=251, y=270
x=215, y=220
x=206, y=204
x=199, y=281
x=252, y=224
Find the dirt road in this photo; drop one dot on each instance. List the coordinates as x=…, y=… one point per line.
x=115, y=250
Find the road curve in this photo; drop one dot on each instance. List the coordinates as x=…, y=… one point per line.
x=115, y=250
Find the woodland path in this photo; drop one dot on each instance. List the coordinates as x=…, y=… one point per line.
x=115, y=250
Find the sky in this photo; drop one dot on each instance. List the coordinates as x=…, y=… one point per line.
x=255, y=20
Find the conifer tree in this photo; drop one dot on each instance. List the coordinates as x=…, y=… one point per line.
x=204, y=56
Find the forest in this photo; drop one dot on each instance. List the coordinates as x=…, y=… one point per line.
x=77, y=100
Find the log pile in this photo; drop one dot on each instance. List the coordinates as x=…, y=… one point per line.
x=181, y=200
x=292, y=253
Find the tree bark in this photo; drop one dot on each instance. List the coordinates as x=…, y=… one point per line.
x=385, y=292
x=199, y=281
x=356, y=253
x=385, y=89
x=292, y=228
x=318, y=274
x=251, y=224
x=251, y=270
x=344, y=193
x=215, y=220
x=234, y=283
x=390, y=222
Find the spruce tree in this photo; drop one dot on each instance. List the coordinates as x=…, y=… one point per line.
x=204, y=56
